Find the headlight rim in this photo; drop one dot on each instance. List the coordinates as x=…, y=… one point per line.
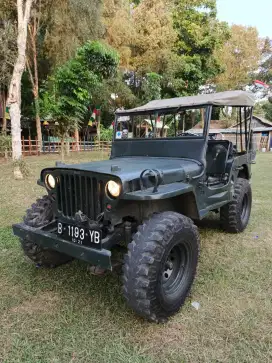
x=47, y=183
x=108, y=192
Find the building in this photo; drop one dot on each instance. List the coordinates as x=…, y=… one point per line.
x=262, y=132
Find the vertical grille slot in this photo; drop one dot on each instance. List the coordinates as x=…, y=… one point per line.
x=79, y=193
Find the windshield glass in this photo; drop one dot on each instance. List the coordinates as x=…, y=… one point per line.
x=186, y=123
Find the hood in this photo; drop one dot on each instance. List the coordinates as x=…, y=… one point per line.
x=128, y=169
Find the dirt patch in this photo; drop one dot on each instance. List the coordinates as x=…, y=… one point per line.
x=45, y=303
x=158, y=338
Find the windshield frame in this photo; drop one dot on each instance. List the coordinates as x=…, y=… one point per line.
x=173, y=112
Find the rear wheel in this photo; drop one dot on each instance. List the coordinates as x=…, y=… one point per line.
x=39, y=215
x=235, y=215
x=161, y=265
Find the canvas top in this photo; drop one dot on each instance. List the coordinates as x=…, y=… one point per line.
x=228, y=98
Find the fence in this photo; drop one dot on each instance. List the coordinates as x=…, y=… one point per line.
x=31, y=147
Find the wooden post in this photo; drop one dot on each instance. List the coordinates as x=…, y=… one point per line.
x=269, y=140
x=77, y=140
x=23, y=144
x=29, y=145
x=37, y=146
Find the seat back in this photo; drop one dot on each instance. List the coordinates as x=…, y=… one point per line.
x=217, y=156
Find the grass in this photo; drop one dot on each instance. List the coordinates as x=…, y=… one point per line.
x=65, y=315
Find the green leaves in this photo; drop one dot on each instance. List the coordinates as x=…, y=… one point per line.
x=199, y=35
x=268, y=110
x=70, y=90
x=151, y=87
x=100, y=58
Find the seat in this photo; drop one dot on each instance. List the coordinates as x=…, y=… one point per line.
x=219, y=159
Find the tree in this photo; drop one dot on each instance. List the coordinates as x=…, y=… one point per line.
x=240, y=56
x=39, y=17
x=155, y=36
x=102, y=96
x=70, y=90
x=14, y=98
x=267, y=107
x=71, y=23
x=177, y=39
x=151, y=87
x=119, y=31
x=265, y=71
x=200, y=34
x=7, y=58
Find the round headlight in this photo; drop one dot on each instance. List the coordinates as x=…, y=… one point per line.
x=113, y=189
x=50, y=181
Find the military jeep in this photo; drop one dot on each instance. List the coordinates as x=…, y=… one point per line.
x=167, y=170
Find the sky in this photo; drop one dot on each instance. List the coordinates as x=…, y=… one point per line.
x=247, y=12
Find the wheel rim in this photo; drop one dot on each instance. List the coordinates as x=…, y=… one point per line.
x=244, y=208
x=175, y=270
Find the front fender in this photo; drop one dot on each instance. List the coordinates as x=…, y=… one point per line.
x=164, y=192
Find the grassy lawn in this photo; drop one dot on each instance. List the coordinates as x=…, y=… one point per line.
x=66, y=315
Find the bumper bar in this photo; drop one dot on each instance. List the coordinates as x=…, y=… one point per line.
x=49, y=240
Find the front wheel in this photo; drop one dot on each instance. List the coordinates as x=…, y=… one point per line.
x=39, y=215
x=235, y=216
x=161, y=265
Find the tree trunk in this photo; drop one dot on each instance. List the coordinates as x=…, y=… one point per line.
x=67, y=148
x=62, y=146
x=98, y=126
x=15, y=115
x=4, y=104
x=14, y=99
x=33, y=32
x=38, y=123
x=77, y=139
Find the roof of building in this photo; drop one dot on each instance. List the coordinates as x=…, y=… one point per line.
x=263, y=120
x=229, y=98
x=230, y=130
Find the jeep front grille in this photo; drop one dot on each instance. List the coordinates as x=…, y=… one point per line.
x=79, y=193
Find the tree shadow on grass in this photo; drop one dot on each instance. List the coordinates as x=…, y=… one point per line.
x=95, y=298
x=211, y=222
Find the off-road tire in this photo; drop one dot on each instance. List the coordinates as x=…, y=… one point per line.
x=39, y=215
x=144, y=265
x=235, y=216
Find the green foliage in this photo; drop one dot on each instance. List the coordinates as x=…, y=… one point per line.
x=71, y=88
x=176, y=39
x=199, y=35
x=101, y=59
x=102, y=96
x=239, y=57
x=7, y=52
x=167, y=48
x=265, y=70
x=5, y=144
x=23, y=166
x=259, y=109
x=105, y=134
x=71, y=23
x=268, y=110
x=151, y=87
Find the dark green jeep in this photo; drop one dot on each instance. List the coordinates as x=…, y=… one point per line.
x=165, y=171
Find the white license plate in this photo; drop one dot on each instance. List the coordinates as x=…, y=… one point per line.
x=80, y=235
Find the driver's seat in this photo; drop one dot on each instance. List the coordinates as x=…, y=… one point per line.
x=217, y=156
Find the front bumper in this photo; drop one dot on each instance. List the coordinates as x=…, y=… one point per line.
x=49, y=240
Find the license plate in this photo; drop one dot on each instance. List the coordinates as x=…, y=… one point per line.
x=80, y=235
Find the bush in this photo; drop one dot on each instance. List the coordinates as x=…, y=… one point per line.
x=268, y=110
x=5, y=144
x=105, y=134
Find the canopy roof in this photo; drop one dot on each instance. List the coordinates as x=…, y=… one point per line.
x=229, y=98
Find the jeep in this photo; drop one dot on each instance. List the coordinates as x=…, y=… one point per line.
x=166, y=171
